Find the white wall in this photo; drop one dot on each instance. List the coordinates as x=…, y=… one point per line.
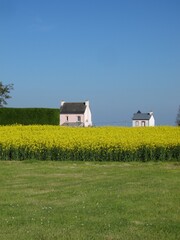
x=141, y=123
x=87, y=117
x=148, y=123
x=152, y=121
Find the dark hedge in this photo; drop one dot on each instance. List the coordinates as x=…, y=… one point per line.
x=28, y=116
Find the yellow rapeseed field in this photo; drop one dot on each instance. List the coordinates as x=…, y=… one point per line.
x=96, y=143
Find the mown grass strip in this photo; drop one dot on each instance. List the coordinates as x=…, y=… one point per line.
x=85, y=200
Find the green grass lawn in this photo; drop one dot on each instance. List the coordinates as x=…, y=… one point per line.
x=86, y=200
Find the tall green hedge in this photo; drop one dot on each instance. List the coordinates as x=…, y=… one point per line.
x=28, y=116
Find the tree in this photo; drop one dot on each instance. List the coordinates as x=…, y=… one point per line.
x=178, y=117
x=4, y=93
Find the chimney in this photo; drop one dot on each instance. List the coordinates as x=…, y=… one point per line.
x=62, y=103
x=87, y=103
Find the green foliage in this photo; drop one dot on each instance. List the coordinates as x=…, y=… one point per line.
x=28, y=116
x=89, y=201
x=4, y=93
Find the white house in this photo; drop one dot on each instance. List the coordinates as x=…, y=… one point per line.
x=77, y=114
x=143, y=119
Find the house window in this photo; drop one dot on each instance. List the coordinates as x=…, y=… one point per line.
x=143, y=124
x=67, y=118
x=79, y=119
x=137, y=123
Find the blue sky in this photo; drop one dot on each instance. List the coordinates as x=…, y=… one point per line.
x=122, y=55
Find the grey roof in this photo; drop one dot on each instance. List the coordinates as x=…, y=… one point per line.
x=141, y=116
x=73, y=108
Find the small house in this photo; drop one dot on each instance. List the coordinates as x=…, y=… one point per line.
x=75, y=114
x=143, y=119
